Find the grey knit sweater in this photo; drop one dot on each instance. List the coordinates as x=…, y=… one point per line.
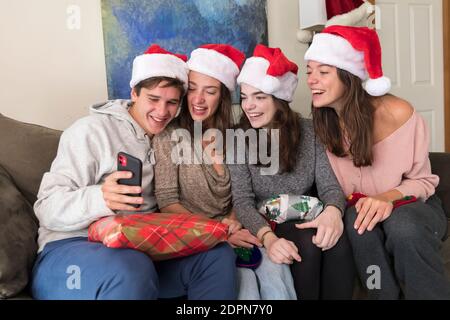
x=249, y=186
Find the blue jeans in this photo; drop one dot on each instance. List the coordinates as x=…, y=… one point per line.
x=270, y=281
x=77, y=269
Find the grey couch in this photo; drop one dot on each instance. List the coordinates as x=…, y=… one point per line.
x=26, y=152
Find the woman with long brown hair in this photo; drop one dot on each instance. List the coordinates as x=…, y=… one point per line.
x=321, y=262
x=378, y=148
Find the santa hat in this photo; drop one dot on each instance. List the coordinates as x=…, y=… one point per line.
x=157, y=62
x=353, y=49
x=220, y=61
x=271, y=72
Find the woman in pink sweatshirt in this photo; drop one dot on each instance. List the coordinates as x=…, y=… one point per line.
x=378, y=147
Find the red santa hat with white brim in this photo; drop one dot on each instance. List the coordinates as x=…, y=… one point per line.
x=220, y=61
x=158, y=62
x=353, y=49
x=271, y=72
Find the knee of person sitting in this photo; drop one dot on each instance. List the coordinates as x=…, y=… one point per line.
x=131, y=265
x=223, y=252
x=128, y=274
x=405, y=232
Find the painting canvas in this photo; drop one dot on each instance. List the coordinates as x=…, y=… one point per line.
x=130, y=26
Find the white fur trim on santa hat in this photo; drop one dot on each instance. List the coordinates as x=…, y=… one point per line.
x=378, y=87
x=338, y=52
x=214, y=64
x=254, y=73
x=158, y=65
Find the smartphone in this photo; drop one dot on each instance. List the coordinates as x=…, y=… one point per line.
x=126, y=162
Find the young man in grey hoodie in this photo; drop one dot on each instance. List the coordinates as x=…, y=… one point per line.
x=82, y=186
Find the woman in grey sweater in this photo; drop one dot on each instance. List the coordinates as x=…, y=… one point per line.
x=190, y=174
x=318, y=252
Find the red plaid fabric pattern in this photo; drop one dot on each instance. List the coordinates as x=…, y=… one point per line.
x=161, y=235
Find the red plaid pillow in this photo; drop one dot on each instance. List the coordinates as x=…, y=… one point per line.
x=161, y=235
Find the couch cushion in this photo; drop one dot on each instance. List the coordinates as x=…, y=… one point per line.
x=18, y=232
x=440, y=165
x=27, y=151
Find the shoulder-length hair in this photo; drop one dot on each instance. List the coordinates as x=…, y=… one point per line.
x=288, y=122
x=355, y=125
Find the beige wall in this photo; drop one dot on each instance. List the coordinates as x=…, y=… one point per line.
x=283, y=24
x=50, y=74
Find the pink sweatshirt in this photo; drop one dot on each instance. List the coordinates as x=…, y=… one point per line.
x=400, y=162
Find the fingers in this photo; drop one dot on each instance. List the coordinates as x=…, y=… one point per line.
x=318, y=238
x=361, y=208
x=233, y=226
x=387, y=212
x=236, y=242
x=307, y=225
x=120, y=206
x=371, y=212
x=120, y=189
x=116, y=175
x=116, y=196
x=243, y=238
x=326, y=240
x=283, y=251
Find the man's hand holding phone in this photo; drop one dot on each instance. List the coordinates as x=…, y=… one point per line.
x=122, y=189
x=117, y=196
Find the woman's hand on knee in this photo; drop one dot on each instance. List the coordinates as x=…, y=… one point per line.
x=371, y=211
x=243, y=238
x=281, y=250
x=329, y=227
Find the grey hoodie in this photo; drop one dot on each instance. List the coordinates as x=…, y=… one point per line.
x=70, y=196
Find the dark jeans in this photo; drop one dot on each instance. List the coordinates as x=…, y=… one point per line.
x=405, y=249
x=321, y=274
x=106, y=273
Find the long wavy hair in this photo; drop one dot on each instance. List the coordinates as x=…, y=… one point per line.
x=288, y=122
x=354, y=126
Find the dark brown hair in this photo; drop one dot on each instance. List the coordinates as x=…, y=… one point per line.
x=153, y=82
x=221, y=120
x=288, y=122
x=355, y=124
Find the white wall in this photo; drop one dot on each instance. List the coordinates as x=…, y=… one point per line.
x=50, y=74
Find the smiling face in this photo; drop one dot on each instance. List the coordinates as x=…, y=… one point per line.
x=258, y=107
x=326, y=87
x=154, y=108
x=203, y=96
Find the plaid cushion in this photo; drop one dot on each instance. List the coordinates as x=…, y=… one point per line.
x=161, y=235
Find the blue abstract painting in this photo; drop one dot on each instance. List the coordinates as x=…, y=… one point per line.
x=130, y=26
